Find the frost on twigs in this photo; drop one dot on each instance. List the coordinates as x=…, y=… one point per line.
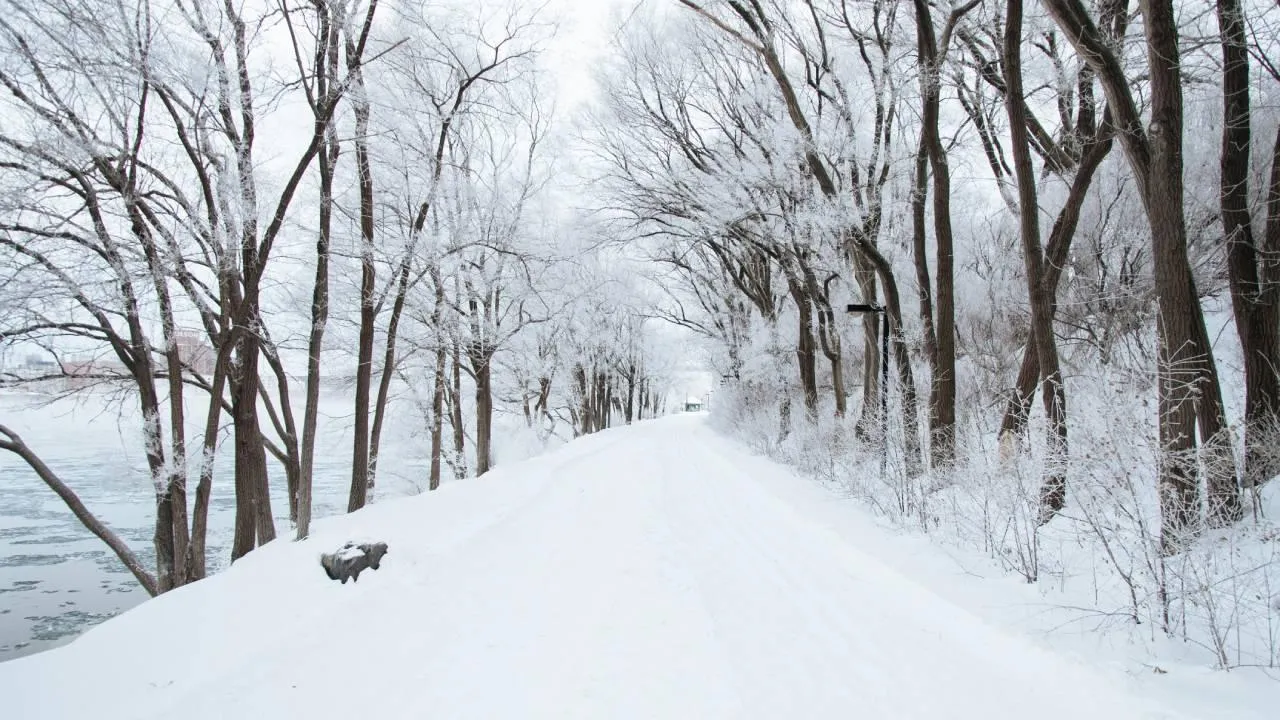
x=351, y=559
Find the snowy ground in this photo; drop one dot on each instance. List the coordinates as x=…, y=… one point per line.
x=651, y=571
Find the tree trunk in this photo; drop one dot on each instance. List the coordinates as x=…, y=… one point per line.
x=254, y=525
x=942, y=394
x=806, y=350
x=173, y=498
x=438, y=382
x=1053, y=490
x=388, y=370
x=837, y=378
x=144, y=376
x=1188, y=388
x=315, y=340
x=1180, y=349
x=631, y=392
x=360, y=456
x=1216, y=455
x=162, y=537
x=542, y=406
x=437, y=419
x=869, y=414
x=1058, y=254
x=326, y=69
x=600, y=401
x=455, y=408
x=1252, y=298
x=1262, y=464
x=196, y=557
x=583, y=426
x=283, y=420
x=920, y=249
x=484, y=410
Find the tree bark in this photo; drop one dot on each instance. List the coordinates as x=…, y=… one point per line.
x=196, y=558
x=806, y=350
x=869, y=414
x=315, y=340
x=282, y=419
x=1053, y=490
x=942, y=394
x=631, y=392
x=1253, y=299
x=455, y=408
x=583, y=424
x=326, y=71
x=1187, y=382
x=1058, y=254
x=920, y=251
x=1266, y=464
x=360, y=456
x=438, y=384
x=1183, y=349
x=254, y=524
x=481, y=365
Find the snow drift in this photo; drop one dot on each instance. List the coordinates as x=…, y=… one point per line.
x=651, y=571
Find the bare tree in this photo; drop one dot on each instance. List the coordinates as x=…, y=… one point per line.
x=1053, y=492
x=325, y=82
x=88, y=218
x=173, y=170
x=456, y=72
x=757, y=35
x=932, y=52
x=1252, y=268
x=1188, y=383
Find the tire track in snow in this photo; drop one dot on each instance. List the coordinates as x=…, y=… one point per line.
x=561, y=607
x=754, y=591
x=874, y=642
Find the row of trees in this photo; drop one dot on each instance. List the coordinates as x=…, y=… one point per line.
x=784, y=158
x=295, y=179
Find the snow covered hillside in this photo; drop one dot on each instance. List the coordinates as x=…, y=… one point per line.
x=655, y=571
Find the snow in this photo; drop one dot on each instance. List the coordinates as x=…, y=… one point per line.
x=657, y=570
x=350, y=552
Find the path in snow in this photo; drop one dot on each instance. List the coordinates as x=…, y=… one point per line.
x=647, y=572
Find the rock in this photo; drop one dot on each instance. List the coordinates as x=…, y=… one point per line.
x=351, y=559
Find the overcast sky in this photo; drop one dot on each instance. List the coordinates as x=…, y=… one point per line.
x=585, y=32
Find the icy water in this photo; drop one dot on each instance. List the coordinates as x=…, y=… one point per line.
x=57, y=579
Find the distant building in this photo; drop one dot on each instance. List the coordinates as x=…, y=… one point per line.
x=194, y=352
x=39, y=362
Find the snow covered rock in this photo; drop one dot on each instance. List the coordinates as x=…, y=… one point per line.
x=350, y=559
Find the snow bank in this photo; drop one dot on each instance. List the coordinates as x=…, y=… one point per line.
x=651, y=571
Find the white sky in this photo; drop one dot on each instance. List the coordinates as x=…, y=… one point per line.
x=586, y=29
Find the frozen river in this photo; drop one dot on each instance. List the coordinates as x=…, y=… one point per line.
x=57, y=579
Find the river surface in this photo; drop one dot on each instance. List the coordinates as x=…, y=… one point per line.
x=57, y=579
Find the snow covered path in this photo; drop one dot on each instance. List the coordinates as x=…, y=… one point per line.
x=656, y=571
